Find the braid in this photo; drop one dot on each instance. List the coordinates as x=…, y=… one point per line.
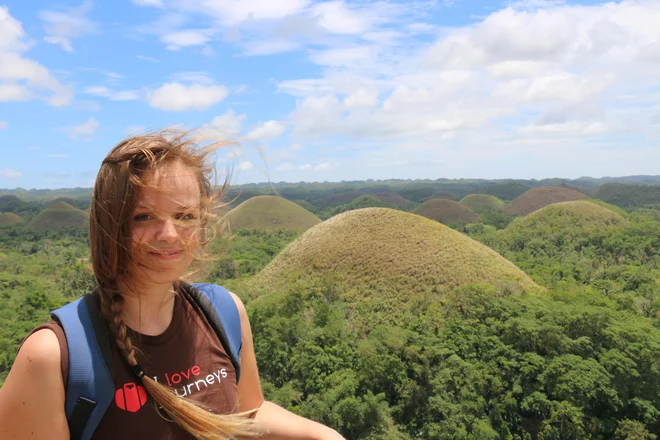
x=122, y=338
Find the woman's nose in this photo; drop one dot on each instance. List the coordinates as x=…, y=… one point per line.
x=167, y=231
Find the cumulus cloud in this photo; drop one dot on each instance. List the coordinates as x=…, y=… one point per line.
x=21, y=78
x=186, y=38
x=121, y=95
x=62, y=26
x=244, y=166
x=266, y=131
x=223, y=127
x=178, y=97
x=84, y=131
x=10, y=173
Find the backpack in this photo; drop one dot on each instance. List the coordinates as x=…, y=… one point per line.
x=90, y=388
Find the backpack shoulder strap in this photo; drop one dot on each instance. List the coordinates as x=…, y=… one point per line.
x=90, y=389
x=221, y=312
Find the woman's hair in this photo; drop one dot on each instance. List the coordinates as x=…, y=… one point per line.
x=125, y=170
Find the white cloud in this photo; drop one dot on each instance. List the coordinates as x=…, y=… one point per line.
x=244, y=166
x=232, y=12
x=21, y=78
x=326, y=166
x=3, y=125
x=186, y=38
x=178, y=97
x=223, y=127
x=336, y=18
x=266, y=131
x=122, y=95
x=361, y=98
x=62, y=26
x=84, y=131
x=10, y=173
x=157, y=3
x=305, y=167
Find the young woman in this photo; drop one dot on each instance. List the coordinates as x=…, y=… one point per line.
x=149, y=219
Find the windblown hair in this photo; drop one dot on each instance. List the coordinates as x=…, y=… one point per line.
x=123, y=172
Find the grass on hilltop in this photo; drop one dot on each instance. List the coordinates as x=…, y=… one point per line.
x=380, y=249
x=340, y=199
x=9, y=218
x=446, y=211
x=482, y=203
x=267, y=213
x=538, y=198
x=59, y=215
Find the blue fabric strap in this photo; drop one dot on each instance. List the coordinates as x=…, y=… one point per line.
x=89, y=378
x=225, y=307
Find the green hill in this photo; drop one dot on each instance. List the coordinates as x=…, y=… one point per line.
x=270, y=213
x=446, y=211
x=538, y=198
x=59, y=215
x=9, y=218
x=482, y=203
x=304, y=203
x=504, y=191
x=11, y=203
x=395, y=199
x=379, y=246
x=340, y=199
x=629, y=196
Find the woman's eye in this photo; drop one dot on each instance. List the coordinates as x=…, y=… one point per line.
x=185, y=216
x=141, y=217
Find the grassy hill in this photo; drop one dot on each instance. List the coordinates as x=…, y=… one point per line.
x=375, y=247
x=11, y=203
x=9, y=218
x=629, y=196
x=504, y=191
x=59, y=215
x=482, y=203
x=446, y=211
x=395, y=199
x=270, y=213
x=340, y=199
x=537, y=198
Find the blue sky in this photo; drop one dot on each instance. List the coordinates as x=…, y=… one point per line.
x=334, y=90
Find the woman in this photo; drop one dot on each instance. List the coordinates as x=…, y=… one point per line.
x=149, y=219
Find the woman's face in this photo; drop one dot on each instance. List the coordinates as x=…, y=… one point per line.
x=166, y=221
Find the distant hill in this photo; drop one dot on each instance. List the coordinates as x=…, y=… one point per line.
x=395, y=199
x=59, y=215
x=446, y=211
x=537, y=198
x=340, y=199
x=482, y=203
x=270, y=213
x=10, y=203
x=504, y=191
x=375, y=246
x=9, y=218
x=629, y=196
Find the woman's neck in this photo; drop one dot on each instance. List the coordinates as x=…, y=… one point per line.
x=148, y=309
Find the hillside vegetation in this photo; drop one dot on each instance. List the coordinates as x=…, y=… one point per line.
x=446, y=211
x=480, y=203
x=9, y=218
x=59, y=215
x=537, y=198
x=270, y=213
x=379, y=246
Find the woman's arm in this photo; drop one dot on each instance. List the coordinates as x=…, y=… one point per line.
x=275, y=421
x=32, y=398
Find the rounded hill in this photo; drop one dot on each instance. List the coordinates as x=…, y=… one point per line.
x=270, y=213
x=394, y=199
x=482, y=203
x=537, y=198
x=62, y=203
x=9, y=218
x=380, y=246
x=446, y=211
x=576, y=218
x=10, y=203
x=341, y=198
x=59, y=215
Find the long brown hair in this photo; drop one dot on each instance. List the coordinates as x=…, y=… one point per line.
x=122, y=173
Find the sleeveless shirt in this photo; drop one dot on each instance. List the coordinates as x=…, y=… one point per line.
x=187, y=356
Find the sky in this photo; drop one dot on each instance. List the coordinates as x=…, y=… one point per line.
x=306, y=90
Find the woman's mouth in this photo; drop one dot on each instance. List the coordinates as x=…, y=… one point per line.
x=166, y=255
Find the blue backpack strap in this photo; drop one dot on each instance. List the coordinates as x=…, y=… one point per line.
x=90, y=388
x=223, y=316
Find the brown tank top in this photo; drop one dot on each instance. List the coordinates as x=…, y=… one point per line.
x=187, y=356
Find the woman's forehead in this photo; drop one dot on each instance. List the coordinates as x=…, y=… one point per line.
x=172, y=184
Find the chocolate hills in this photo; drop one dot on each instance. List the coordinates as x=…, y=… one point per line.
x=482, y=203
x=446, y=211
x=540, y=197
x=375, y=247
x=270, y=213
x=9, y=218
x=59, y=215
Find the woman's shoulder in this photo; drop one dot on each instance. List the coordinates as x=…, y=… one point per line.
x=48, y=339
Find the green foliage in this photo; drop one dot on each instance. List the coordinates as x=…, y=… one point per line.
x=365, y=201
x=629, y=196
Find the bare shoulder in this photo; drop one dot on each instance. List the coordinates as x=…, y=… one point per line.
x=32, y=398
x=239, y=304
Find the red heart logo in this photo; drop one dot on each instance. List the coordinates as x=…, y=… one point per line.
x=131, y=397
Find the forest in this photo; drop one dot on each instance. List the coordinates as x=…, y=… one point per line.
x=410, y=310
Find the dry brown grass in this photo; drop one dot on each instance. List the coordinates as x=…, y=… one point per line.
x=9, y=218
x=446, y=211
x=394, y=199
x=370, y=247
x=60, y=215
x=267, y=213
x=482, y=203
x=537, y=198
